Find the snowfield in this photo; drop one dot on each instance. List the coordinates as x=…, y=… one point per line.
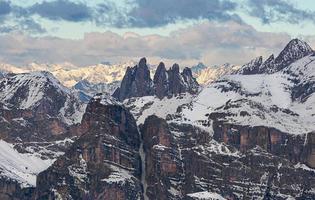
x=267, y=98
x=142, y=107
x=21, y=167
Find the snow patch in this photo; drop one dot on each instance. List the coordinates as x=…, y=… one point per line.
x=21, y=167
x=206, y=196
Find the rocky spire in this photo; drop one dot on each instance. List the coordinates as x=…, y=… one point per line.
x=166, y=83
x=175, y=80
x=161, y=81
x=191, y=84
x=136, y=82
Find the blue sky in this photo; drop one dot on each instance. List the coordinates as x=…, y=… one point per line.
x=122, y=25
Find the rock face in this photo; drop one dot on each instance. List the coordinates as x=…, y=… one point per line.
x=294, y=50
x=137, y=82
x=297, y=149
x=252, y=67
x=104, y=163
x=170, y=82
x=161, y=84
x=163, y=167
x=182, y=160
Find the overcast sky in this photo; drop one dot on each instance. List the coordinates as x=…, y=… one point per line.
x=87, y=32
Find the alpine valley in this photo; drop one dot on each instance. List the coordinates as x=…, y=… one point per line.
x=138, y=131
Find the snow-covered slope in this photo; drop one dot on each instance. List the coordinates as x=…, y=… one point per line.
x=22, y=168
x=142, y=107
x=210, y=74
x=284, y=100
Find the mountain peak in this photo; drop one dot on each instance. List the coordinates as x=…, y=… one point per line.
x=175, y=68
x=252, y=67
x=136, y=82
x=293, y=51
x=299, y=43
x=198, y=68
x=28, y=89
x=143, y=62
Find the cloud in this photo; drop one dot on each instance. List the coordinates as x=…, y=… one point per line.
x=62, y=10
x=209, y=42
x=16, y=19
x=5, y=8
x=152, y=13
x=148, y=13
x=270, y=11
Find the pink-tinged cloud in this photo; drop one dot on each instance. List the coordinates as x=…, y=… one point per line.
x=211, y=43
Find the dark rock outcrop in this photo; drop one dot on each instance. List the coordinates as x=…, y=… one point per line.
x=182, y=159
x=136, y=82
x=11, y=190
x=35, y=112
x=161, y=81
x=166, y=83
x=104, y=163
x=172, y=82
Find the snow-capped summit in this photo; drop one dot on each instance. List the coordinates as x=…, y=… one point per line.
x=87, y=90
x=198, y=68
x=100, y=73
x=210, y=74
x=26, y=90
x=294, y=50
x=31, y=100
x=271, y=97
x=105, y=99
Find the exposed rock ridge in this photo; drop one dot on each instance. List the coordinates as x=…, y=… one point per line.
x=294, y=50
